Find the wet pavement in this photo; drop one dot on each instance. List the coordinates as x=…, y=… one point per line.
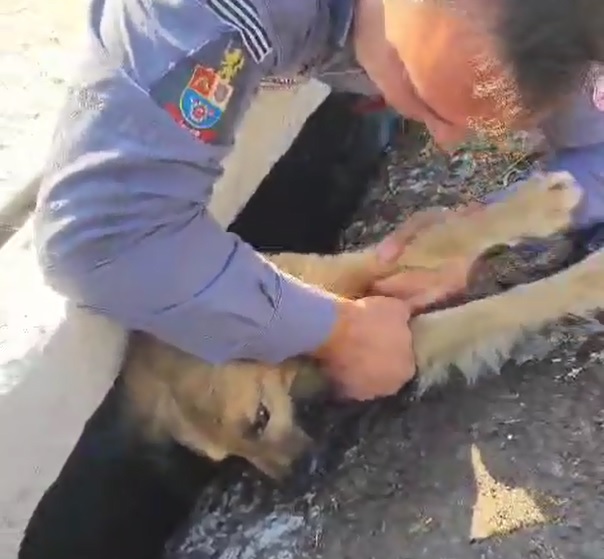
x=512, y=467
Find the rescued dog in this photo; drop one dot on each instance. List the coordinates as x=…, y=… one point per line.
x=246, y=409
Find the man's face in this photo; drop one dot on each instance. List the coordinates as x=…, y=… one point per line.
x=435, y=63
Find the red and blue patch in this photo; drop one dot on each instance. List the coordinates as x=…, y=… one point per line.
x=204, y=92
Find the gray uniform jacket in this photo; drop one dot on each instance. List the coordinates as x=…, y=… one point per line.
x=122, y=225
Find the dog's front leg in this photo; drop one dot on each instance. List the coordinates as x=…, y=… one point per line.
x=483, y=332
x=349, y=274
x=542, y=206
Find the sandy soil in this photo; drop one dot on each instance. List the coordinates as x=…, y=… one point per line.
x=38, y=44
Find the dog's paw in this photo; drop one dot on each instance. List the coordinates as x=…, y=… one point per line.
x=544, y=204
x=539, y=207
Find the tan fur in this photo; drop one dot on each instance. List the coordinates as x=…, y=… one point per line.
x=483, y=332
x=210, y=408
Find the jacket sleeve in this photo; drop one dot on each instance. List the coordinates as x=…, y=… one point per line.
x=575, y=138
x=122, y=225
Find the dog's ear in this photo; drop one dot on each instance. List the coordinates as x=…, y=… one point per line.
x=308, y=381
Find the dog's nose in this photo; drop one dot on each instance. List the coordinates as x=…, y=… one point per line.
x=304, y=472
x=310, y=464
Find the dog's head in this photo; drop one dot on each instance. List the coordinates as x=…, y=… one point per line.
x=245, y=410
x=241, y=409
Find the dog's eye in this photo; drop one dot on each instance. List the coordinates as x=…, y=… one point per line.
x=260, y=422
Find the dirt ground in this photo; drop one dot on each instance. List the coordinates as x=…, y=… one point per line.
x=512, y=467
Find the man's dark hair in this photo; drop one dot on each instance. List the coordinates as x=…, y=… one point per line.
x=551, y=46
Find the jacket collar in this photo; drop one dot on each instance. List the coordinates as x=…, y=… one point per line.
x=341, y=17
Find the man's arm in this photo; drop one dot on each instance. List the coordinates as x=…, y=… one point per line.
x=122, y=225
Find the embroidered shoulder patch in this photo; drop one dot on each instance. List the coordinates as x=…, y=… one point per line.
x=243, y=16
x=206, y=91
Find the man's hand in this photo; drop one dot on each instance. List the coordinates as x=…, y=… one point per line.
x=422, y=288
x=369, y=353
